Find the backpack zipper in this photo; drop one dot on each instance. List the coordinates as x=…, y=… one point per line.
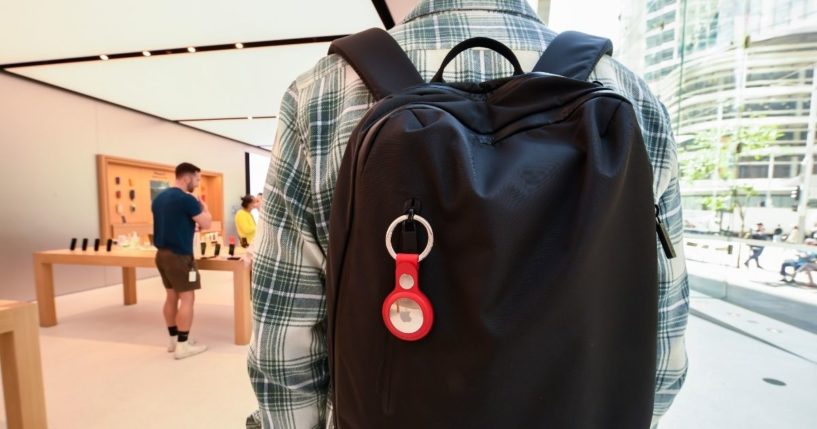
x=663, y=235
x=387, y=378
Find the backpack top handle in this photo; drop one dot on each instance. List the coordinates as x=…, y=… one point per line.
x=479, y=42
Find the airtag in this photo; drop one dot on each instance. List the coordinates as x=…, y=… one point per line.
x=407, y=311
x=406, y=316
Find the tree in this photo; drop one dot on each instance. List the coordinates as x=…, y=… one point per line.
x=714, y=156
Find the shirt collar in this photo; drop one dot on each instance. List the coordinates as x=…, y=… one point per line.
x=429, y=7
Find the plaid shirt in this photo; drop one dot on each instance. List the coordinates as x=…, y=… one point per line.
x=287, y=361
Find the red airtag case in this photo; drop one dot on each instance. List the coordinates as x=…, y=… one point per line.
x=407, y=312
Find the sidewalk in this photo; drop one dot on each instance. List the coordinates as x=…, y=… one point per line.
x=759, y=290
x=746, y=371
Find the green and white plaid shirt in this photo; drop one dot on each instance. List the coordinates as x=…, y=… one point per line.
x=287, y=361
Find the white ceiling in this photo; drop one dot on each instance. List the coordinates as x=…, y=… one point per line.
x=213, y=88
x=202, y=85
x=34, y=30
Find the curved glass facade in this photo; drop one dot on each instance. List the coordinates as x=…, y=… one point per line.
x=723, y=66
x=738, y=80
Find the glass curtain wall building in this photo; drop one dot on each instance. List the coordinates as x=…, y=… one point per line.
x=738, y=80
x=740, y=74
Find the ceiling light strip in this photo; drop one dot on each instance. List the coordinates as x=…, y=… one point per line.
x=185, y=50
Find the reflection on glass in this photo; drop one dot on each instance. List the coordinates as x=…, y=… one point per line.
x=406, y=316
x=737, y=78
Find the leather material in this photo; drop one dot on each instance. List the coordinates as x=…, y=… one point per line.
x=543, y=275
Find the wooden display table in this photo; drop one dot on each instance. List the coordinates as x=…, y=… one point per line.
x=22, y=369
x=129, y=260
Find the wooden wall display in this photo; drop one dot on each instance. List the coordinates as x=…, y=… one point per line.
x=127, y=187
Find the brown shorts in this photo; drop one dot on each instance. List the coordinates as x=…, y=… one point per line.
x=175, y=271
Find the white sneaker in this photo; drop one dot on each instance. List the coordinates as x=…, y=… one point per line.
x=188, y=348
x=171, y=344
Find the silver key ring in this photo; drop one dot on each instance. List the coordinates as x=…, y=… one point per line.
x=403, y=218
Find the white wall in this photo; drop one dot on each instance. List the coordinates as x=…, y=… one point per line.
x=48, y=188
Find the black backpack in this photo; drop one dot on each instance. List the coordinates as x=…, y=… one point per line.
x=492, y=248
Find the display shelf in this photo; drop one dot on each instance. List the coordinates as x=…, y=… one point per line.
x=127, y=187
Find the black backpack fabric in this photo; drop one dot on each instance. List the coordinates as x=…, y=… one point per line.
x=542, y=276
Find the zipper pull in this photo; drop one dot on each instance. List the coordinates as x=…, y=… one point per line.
x=409, y=236
x=663, y=235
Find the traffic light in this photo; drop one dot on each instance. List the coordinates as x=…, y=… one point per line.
x=795, y=195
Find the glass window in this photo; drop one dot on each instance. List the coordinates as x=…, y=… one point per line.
x=718, y=65
x=661, y=38
x=782, y=200
x=661, y=21
x=656, y=5
x=782, y=171
x=753, y=171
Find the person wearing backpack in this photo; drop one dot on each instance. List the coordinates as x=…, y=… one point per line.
x=528, y=276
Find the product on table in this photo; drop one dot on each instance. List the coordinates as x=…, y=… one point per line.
x=108, y=245
x=203, y=248
x=73, y=244
x=218, y=249
x=84, y=244
x=96, y=245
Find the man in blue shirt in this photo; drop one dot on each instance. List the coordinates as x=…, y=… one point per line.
x=175, y=215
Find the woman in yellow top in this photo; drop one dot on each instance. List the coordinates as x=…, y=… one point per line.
x=244, y=221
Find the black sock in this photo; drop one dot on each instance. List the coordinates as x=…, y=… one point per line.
x=173, y=331
x=183, y=336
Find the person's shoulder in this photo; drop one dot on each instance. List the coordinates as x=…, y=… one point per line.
x=307, y=92
x=621, y=79
x=188, y=198
x=325, y=67
x=163, y=196
x=176, y=195
x=171, y=193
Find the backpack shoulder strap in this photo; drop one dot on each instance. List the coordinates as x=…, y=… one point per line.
x=378, y=60
x=573, y=54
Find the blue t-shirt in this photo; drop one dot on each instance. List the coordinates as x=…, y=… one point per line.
x=173, y=225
